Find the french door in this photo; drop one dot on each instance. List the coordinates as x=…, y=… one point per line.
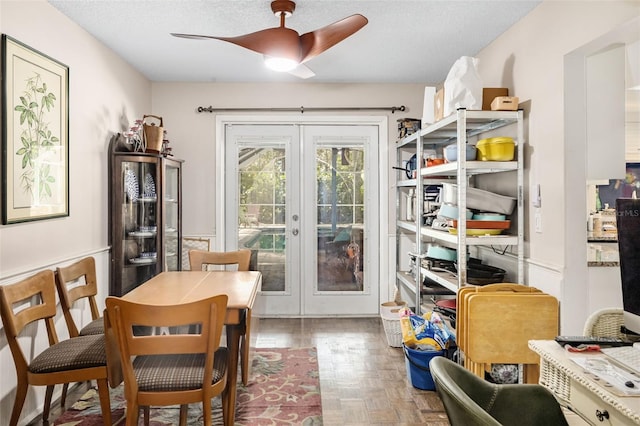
x=304, y=199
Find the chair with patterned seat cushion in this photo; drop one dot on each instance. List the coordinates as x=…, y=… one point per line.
x=240, y=259
x=75, y=359
x=171, y=369
x=75, y=282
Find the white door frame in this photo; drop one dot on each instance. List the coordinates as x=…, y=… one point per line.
x=383, y=179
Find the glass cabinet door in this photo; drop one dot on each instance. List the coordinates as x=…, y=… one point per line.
x=171, y=218
x=139, y=223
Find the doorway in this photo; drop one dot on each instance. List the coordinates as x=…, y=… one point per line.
x=576, y=305
x=305, y=199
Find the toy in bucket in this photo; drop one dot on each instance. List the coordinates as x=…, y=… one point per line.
x=427, y=332
x=153, y=134
x=424, y=337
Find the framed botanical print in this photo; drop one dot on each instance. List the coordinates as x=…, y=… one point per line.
x=35, y=134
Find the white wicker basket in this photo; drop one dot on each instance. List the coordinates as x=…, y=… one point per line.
x=393, y=331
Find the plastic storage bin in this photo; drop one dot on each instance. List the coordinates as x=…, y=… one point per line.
x=478, y=199
x=451, y=152
x=417, y=364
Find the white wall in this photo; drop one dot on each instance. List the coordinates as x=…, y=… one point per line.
x=105, y=96
x=529, y=59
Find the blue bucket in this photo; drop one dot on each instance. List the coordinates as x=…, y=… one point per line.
x=417, y=363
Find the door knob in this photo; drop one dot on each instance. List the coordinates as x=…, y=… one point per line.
x=294, y=231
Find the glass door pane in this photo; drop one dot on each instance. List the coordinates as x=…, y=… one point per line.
x=140, y=223
x=262, y=209
x=340, y=231
x=262, y=212
x=171, y=218
x=342, y=226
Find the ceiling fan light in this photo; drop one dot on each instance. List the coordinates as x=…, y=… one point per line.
x=280, y=64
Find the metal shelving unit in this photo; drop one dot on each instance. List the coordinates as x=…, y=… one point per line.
x=460, y=126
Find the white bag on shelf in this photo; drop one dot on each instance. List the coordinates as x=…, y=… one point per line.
x=463, y=86
x=428, y=109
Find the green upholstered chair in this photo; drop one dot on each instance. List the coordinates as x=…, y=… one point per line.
x=469, y=400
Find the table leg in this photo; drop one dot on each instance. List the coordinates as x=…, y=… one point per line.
x=233, y=344
x=245, y=348
x=112, y=350
x=531, y=373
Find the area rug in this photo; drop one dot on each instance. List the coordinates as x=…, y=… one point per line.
x=284, y=389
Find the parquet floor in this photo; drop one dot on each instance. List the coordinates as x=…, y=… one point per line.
x=363, y=381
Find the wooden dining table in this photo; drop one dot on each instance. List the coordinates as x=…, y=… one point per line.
x=170, y=288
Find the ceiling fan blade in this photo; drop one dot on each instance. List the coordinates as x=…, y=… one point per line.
x=314, y=43
x=302, y=71
x=278, y=41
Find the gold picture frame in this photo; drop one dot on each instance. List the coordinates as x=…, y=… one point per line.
x=35, y=134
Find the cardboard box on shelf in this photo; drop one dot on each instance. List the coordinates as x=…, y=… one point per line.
x=490, y=93
x=438, y=105
x=505, y=103
x=407, y=126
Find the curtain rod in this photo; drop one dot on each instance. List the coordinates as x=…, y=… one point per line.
x=302, y=109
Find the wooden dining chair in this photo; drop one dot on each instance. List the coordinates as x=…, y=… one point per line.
x=170, y=369
x=192, y=243
x=75, y=282
x=76, y=359
x=199, y=260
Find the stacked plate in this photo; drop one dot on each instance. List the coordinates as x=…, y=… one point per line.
x=131, y=185
x=481, y=227
x=149, y=190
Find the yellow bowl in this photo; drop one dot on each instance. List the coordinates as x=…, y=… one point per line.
x=500, y=148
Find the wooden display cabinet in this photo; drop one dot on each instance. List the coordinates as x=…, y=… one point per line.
x=145, y=218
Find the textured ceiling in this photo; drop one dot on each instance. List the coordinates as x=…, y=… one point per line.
x=404, y=41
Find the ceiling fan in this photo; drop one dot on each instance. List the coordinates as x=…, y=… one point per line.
x=286, y=50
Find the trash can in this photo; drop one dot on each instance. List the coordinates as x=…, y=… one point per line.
x=417, y=364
